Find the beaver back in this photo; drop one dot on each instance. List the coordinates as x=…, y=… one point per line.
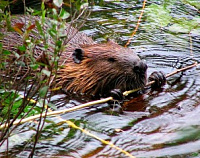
x=88, y=67
x=12, y=39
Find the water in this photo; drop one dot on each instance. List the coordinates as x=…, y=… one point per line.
x=163, y=123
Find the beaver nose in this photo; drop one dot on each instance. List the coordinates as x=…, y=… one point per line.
x=140, y=67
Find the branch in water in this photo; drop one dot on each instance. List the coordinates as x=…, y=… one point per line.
x=53, y=113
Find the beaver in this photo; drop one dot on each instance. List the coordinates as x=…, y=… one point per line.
x=88, y=67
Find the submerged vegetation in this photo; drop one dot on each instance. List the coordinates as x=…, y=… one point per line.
x=161, y=16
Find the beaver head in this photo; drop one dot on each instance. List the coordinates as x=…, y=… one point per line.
x=99, y=68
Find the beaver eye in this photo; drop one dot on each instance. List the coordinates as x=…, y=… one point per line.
x=111, y=59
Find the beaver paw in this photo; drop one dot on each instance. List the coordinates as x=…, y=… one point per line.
x=117, y=94
x=159, y=78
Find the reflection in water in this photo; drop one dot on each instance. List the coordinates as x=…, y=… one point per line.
x=159, y=123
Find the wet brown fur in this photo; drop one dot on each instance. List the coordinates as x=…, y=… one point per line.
x=96, y=74
x=104, y=66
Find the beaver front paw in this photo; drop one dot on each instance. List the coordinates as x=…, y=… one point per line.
x=159, y=79
x=117, y=94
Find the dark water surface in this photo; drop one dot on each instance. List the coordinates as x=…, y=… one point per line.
x=163, y=123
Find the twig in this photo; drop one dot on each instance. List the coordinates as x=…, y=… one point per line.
x=71, y=124
x=191, y=48
x=102, y=140
x=182, y=69
x=138, y=23
x=168, y=75
x=53, y=113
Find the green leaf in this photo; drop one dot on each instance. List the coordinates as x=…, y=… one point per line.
x=34, y=111
x=59, y=43
x=46, y=72
x=21, y=63
x=2, y=91
x=43, y=91
x=64, y=14
x=52, y=106
x=22, y=48
x=39, y=28
x=17, y=55
x=52, y=32
x=6, y=52
x=84, y=5
x=3, y=4
x=37, y=12
x=42, y=6
x=34, y=66
x=54, y=11
x=43, y=16
x=58, y=3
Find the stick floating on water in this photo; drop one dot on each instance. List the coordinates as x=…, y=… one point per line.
x=53, y=113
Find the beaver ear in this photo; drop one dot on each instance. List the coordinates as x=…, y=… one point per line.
x=78, y=55
x=111, y=41
x=108, y=39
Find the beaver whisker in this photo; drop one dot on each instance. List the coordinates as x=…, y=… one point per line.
x=124, y=82
x=103, y=83
x=119, y=81
x=141, y=80
x=130, y=82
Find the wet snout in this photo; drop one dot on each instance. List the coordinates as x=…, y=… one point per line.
x=140, y=67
